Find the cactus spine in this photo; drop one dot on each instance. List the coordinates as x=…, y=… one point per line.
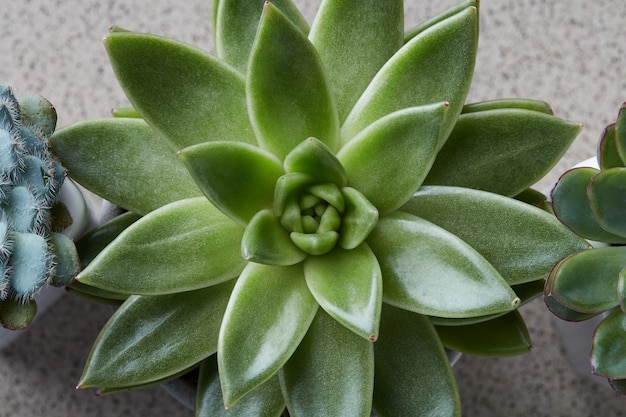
x=33, y=252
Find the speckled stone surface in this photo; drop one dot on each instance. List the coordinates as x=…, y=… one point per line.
x=569, y=53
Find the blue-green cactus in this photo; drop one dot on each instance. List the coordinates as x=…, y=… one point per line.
x=33, y=252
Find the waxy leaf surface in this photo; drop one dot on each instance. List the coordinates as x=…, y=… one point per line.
x=608, y=157
x=289, y=96
x=355, y=39
x=521, y=241
x=430, y=271
x=185, y=245
x=269, y=313
x=606, y=193
x=609, y=347
x=150, y=338
x=571, y=204
x=329, y=352
x=312, y=157
x=409, y=350
x=237, y=177
x=388, y=161
x=503, y=151
x=183, y=92
x=435, y=66
x=125, y=162
x=235, y=26
x=348, y=285
x=266, y=241
x=587, y=281
x=265, y=401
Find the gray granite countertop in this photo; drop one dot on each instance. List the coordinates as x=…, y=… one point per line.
x=570, y=54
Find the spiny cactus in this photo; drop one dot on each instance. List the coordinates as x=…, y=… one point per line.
x=33, y=252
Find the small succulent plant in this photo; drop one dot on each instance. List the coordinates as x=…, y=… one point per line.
x=33, y=252
x=592, y=282
x=320, y=212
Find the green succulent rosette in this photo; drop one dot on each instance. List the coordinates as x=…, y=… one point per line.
x=591, y=283
x=320, y=213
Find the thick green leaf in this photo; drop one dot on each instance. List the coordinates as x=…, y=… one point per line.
x=388, y=161
x=152, y=337
x=554, y=305
x=183, y=246
x=269, y=313
x=125, y=162
x=413, y=374
x=183, y=92
x=335, y=275
x=235, y=24
x=506, y=335
x=289, y=96
x=430, y=271
x=508, y=103
x=606, y=193
x=608, y=351
x=587, y=281
x=355, y=39
x=266, y=241
x=435, y=66
x=330, y=374
x=237, y=177
x=314, y=158
x=503, y=151
x=359, y=219
x=570, y=203
x=521, y=241
x=608, y=156
x=265, y=401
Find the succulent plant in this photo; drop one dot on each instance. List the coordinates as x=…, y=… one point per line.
x=591, y=283
x=320, y=212
x=33, y=251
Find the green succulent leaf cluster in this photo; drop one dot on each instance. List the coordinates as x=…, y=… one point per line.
x=304, y=232
x=33, y=251
x=590, y=202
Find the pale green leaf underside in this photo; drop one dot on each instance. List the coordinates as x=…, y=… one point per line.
x=152, y=337
x=355, y=39
x=268, y=314
x=182, y=246
x=125, y=162
x=430, y=271
x=435, y=66
x=329, y=352
x=522, y=242
x=289, y=96
x=183, y=92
